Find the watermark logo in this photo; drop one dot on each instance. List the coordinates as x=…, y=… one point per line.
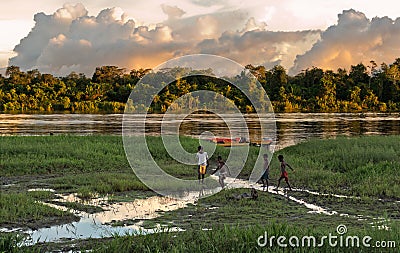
x=341, y=229
x=331, y=240
x=177, y=76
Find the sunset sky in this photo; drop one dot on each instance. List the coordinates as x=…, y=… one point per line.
x=58, y=37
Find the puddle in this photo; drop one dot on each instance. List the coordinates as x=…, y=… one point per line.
x=65, y=209
x=73, y=197
x=41, y=190
x=138, y=209
x=89, y=228
x=382, y=227
x=213, y=208
x=325, y=194
x=97, y=225
x=9, y=230
x=314, y=208
x=8, y=185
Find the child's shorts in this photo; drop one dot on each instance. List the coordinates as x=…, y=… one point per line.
x=202, y=169
x=222, y=176
x=265, y=176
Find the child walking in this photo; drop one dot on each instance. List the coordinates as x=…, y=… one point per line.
x=265, y=175
x=284, y=174
x=202, y=162
x=223, y=170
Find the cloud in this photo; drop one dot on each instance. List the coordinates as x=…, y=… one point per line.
x=354, y=39
x=260, y=46
x=71, y=40
x=172, y=11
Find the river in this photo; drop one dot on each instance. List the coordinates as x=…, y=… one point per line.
x=291, y=128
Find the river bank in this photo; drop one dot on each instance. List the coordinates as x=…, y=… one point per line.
x=349, y=181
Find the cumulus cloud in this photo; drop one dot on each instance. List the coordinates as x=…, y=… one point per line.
x=71, y=40
x=260, y=47
x=354, y=39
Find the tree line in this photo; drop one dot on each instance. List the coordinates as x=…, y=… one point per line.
x=362, y=88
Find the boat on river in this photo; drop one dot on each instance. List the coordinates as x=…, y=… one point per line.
x=240, y=141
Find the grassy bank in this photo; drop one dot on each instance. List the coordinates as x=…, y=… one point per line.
x=367, y=167
x=355, y=166
x=61, y=155
x=67, y=155
x=364, y=166
x=87, y=165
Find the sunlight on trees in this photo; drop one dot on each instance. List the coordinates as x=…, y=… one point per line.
x=363, y=88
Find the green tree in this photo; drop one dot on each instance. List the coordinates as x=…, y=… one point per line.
x=326, y=98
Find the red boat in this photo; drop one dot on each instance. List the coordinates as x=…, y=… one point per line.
x=239, y=141
x=227, y=142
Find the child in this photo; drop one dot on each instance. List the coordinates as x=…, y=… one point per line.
x=202, y=162
x=223, y=171
x=254, y=194
x=284, y=174
x=265, y=176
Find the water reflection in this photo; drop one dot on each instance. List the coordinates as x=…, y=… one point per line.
x=294, y=128
x=97, y=225
x=291, y=127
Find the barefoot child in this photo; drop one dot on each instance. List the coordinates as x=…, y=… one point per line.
x=265, y=176
x=284, y=174
x=223, y=170
x=202, y=161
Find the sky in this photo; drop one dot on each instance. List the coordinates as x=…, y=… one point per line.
x=59, y=37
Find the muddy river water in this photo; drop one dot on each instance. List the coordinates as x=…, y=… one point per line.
x=291, y=128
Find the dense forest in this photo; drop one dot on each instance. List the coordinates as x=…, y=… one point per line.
x=362, y=88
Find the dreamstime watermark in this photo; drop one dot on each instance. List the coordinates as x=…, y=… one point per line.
x=174, y=75
x=340, y=239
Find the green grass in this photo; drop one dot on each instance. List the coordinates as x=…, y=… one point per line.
x=68, y=155
x=87, y=184
x=225, y=239
x=240, y=239
x=38, y=155
x=22, y=207
x=357, y=166
x=97, y=164
x=90, y=165
x=9, y=242
x=41, y=195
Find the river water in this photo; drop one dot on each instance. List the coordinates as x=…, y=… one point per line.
x=291, y=128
